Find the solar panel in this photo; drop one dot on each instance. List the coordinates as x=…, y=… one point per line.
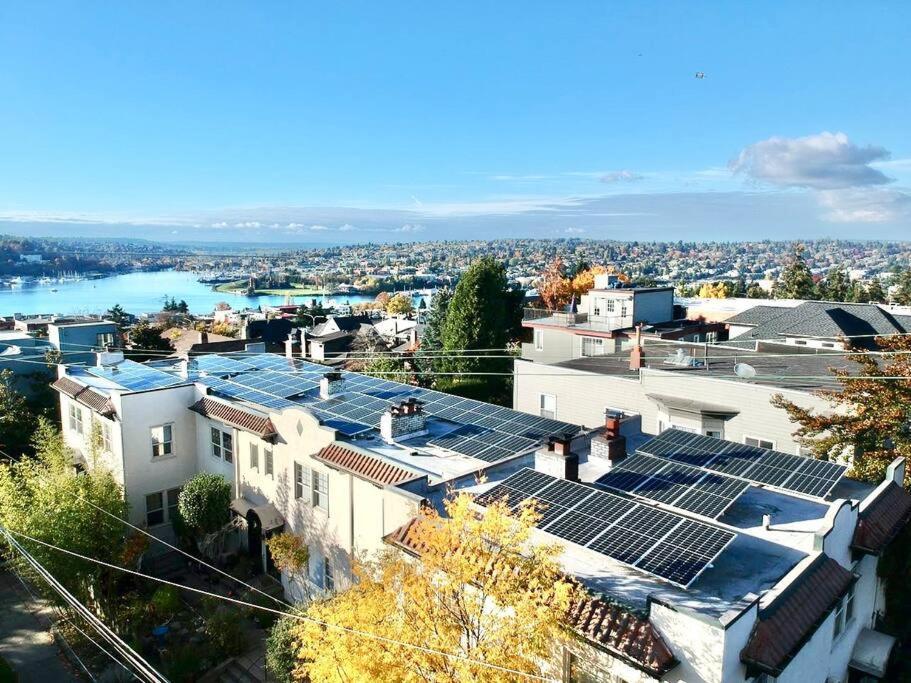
x=760, y=465
x=665, y=544
x=218, y=365
x=136, y=376
x=682, y=486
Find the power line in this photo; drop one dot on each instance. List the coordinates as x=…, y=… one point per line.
x=299, y=617
x=165, y=543
x=140, y=665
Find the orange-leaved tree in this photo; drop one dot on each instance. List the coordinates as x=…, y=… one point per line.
x=871, y=411
x=480, y=602
x=555, y=287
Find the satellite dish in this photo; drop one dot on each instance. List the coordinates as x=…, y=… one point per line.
x=744, y=371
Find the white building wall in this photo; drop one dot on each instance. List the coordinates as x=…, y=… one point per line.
x=696, y=643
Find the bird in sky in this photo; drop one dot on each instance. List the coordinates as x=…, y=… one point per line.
x=700, y=75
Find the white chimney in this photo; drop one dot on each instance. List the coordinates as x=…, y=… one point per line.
x=403, y=421
x=557, y=459
x=331, y=384
x=109, y=358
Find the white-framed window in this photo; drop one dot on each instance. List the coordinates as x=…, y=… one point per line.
x=161, y=506
x=106, y=437
x=222, y=444
x=104, y=339
x=714, y=433
x=610, y=305
x=596, y=307
x=711, y=337
x=301, y=481
x=173, y=495
x=761, y=443
x=254, y=456
x=269, y=461
x=592, y=346
x=154, y=509
x=844, y=612
x=75, y=418
x=162, y=440
x=539, y=340
x=328, y=577
x=548, y=406
x=320, y=489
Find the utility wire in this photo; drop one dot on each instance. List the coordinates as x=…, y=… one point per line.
x=299, y=617
x=165, y=543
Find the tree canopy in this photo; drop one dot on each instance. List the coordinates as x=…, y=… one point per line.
x=204, y=503
x=479, y=590
x=796, y=281
x=17, y=423
x=42, y=496
x=870, y=413
x=400, y=304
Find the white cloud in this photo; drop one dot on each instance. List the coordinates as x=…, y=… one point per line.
x=865, y=206
x=574, y=231
x=347, y=227
x=825, y=161
x=620, y=177
x=410, y=227
x=319, y=228
x=248, y=224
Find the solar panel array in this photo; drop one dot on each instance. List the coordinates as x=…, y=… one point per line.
x=272, y=381
x=790, y=472
x=667, y=545
x=682, y=486
x=136, y=376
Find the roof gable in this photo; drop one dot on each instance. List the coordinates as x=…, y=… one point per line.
x=365, y=466
x=85, y=395
x=882, y=520
x=242, y=419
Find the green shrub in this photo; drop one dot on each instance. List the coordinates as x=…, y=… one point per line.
x=166, y=602
x=281, y=650
x=204, y=503
x=224, y=632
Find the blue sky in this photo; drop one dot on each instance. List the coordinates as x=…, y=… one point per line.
x=351, y=121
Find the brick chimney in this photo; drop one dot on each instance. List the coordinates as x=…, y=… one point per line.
x=610, y=447
x=403, y=421
x=635, y=355
x=331, y=384
x=557, y=459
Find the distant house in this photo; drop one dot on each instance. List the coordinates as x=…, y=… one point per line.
x=79, y=340
x=817, y=324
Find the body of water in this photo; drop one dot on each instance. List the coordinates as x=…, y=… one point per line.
x=141, y=292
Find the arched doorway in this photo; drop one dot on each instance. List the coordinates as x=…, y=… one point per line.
x=255, y=540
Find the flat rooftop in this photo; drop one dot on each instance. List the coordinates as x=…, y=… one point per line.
x=783, y=368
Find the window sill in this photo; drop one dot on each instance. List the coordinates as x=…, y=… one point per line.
x=159, y=458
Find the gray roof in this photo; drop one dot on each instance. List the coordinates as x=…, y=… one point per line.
x=823, y=319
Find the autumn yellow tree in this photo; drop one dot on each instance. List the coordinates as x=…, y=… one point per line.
x=585, y=280
x=713, y=290
x=871, y=411
x=555, y=289
x=479, y=595
x=399, y=304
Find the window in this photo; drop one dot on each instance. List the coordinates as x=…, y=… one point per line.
x=154, y=509
x=761, y=443
x=800, y=342
x=104, y=340
x=714, y=433
x=539, y=340
x=106, y=437
x=548, y=406
x=172, y=503
x=162, y=440
x=301, y=480
x=222, y=444
x=254, y=456
x=320, y=490
x=328, y=578
x=75, y=418
x=844, y=612
x=596, y=307
x=267, y=455
x=592, y=346
x=610, y=305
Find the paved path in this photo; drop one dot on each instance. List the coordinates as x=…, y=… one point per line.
x=24, y=639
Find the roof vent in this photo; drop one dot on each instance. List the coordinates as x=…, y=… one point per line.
x=682, y=359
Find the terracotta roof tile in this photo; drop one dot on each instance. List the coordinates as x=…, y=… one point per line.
x=373, y=469
x=793, y=616
x=242, y=419
x=89, y=397
x=608, y=626
x=881, y=521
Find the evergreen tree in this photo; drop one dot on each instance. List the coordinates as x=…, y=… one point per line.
x=796, y=281
x=755, y=291
x=836, y=286
x=117, y=315
x=875, y=292
x=431, y=343
x=902, y=293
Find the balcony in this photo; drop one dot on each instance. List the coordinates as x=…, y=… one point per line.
x=584, y=321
